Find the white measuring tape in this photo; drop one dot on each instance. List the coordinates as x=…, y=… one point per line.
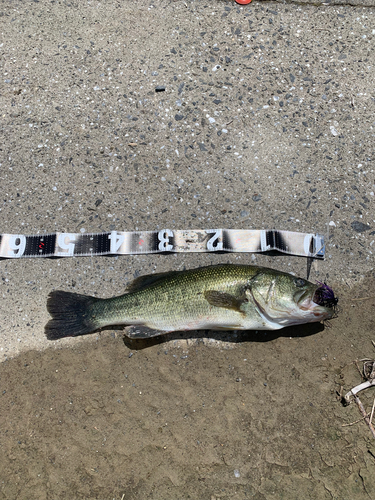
x=13, y=246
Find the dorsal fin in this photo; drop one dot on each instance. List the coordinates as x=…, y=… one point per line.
x=143, y=282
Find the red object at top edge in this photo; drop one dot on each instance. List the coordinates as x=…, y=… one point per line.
x=243, y=2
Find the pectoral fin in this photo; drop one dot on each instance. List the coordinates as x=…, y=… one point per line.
x=226, y=300
x=142, y=332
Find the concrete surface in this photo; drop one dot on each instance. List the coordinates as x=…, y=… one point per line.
x=266, y=121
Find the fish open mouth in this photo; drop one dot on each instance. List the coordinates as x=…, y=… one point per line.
x=321, y=302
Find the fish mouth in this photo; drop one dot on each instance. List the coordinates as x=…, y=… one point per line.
x=321, y=301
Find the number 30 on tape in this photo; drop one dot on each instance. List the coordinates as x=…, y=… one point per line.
x=13, y=246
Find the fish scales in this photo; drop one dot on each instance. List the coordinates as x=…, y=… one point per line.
x=178, y=301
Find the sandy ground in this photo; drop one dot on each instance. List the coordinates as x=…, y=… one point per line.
x=266, y=121
x=260, y=419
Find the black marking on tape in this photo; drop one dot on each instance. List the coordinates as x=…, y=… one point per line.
x=153, y=242
x=41, y=246
x=102, y=243
x=227, y=241
x=312, y=246
x=275, y=240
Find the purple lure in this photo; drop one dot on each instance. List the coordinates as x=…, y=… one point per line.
x=324, y=296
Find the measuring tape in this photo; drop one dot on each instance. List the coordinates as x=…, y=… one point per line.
x=15, y=246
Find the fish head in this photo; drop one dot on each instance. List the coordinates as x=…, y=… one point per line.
x=283, y=299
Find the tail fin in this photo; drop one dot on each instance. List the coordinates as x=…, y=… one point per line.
x=71, y=315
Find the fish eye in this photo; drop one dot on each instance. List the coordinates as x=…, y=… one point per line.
x=299, y=282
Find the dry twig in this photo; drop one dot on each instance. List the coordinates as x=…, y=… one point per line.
x=369, y=374
x=357, y=389
x=365, y=416
x=353, y=423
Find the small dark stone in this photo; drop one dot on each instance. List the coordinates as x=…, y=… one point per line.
x=359, y=227
x=179, y=117
x=160, y=88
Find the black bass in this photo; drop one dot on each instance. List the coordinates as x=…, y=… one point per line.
x=225, y=296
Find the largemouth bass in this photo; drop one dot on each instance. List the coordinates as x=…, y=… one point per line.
x=230, y=297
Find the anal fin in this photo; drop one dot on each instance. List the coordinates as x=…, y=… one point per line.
x=142, y=332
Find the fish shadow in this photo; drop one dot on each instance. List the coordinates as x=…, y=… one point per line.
x=231, y=336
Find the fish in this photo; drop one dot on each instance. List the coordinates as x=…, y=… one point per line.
x=224, y=296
